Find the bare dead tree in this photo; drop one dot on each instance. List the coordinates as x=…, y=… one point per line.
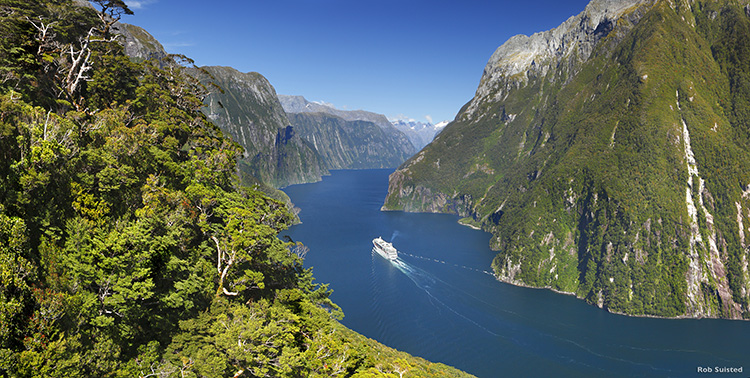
x=227, y=259
x=72, y=66
x=300, y=250
x=45, y=36
x=79, y=67
x=110, y=13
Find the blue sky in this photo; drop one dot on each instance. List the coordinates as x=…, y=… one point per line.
x=403, y=58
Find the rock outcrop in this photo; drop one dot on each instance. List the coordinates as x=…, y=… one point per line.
x=557, y=52
x=139, y=44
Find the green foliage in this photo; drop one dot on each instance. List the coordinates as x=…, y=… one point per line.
x=113, y=82
x=128, y=246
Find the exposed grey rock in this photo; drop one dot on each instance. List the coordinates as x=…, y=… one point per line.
x=298, y=104
x=522, y=57
x=139, y=43
x=346, y=144
x=419, y=133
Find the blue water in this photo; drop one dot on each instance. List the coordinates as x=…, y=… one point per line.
x=438, y=301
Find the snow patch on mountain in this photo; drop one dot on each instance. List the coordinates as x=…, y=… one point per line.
x=419, y=133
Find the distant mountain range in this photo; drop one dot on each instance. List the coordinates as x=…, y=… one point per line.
x=298, y=104
x=283, y=149
x=348, y=139
x=420, y=133
x=353, y=144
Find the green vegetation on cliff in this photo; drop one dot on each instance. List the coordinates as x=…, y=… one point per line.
x=128, y=247
x=620, y=176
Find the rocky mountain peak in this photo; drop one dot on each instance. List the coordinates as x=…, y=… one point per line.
x=522, y=56
x=139, y=43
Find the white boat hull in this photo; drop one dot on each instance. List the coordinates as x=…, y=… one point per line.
x=384, y=249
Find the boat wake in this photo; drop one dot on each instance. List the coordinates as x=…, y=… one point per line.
x=448, y=263
x=432, y=286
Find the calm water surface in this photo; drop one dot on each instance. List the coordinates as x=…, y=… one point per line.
x=438, y=301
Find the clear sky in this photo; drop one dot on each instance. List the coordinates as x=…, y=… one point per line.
x=418, y=59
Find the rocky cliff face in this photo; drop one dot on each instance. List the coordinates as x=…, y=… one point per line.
x=607, y=158
x=245, y=106
x=249, y=111
x=346, y=144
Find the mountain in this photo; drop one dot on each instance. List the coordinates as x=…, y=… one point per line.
x=246, y=108
x=419, y=133
x=139, y=44
x=298, y=104
x=274, y=156
x=608, y=157
x=346, y=144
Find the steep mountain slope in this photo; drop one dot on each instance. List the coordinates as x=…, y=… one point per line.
x=346, y=144
x=419, y=133
x=248, y=110
x=298, y=104
x=270, y=165
x=608, y=157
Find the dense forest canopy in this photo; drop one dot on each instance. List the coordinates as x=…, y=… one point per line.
x=127, y=245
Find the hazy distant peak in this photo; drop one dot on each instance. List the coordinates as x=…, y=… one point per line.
x=420, y=133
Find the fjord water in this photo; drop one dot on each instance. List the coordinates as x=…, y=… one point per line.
x=438, y=301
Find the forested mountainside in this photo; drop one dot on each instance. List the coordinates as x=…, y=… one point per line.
x=245, y=106
x=128, y=246
x=609, y=158
x=344, y=144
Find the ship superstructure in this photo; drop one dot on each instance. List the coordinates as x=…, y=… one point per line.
x=385, y=249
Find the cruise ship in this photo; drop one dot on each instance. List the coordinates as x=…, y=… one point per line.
x=385, y=249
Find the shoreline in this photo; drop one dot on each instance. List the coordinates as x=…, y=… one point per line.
x=521, y=284
x=679, y=317
x=469, y=225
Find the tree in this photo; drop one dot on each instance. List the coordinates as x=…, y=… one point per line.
x=110, y=13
